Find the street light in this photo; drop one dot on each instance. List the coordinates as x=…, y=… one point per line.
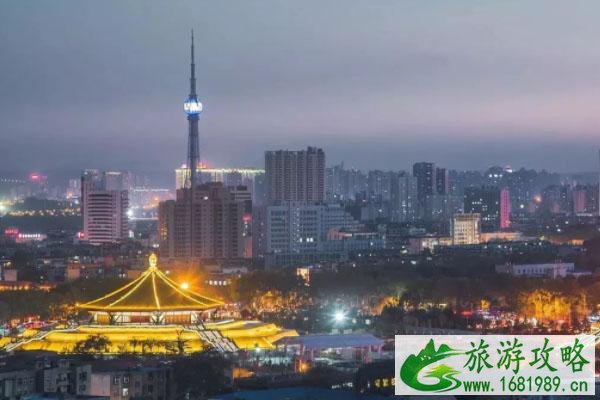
x=339, y=316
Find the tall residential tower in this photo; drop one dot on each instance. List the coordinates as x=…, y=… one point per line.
x=295, y=175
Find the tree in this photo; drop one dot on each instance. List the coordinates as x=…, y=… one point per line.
x=181, y=343
x=134, y=344
x=93, y=344
x=202, y=374
x=24, y=262
x=324, y=376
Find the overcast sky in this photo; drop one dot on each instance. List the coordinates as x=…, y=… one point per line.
x=378, y=84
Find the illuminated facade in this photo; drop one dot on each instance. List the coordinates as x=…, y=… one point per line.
x=466, y=229
x=153, y=314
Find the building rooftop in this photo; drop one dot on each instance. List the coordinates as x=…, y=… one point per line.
x=151, y=291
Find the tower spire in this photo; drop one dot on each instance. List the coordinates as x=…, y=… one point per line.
x=193, y=70
x=193, y=108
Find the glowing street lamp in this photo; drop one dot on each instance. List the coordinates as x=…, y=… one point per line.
x=339, y=316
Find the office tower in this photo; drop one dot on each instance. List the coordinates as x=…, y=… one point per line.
x=404, y=198
x=218, y=223
x=425, y=173
x=491, y=203
x=104, y=209
x=442, y=181
x=466, y=229
x=295, y=175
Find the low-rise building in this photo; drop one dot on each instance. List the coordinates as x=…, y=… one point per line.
x=501, y=236
x=124, y=382
x=16, y=382
x=547, y=270
x=416, y=245
x=64, y=376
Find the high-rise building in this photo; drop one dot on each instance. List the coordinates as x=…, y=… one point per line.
x=404, y=198
x=252, y=178
x=585, y=200
x=492, y=203
x=113, y=180
x=298, y=232
x=466, y=229
x=344, y=184
x=379, y=185
x=74, y=189
x=295, y=175
x=557, y=199
x=442, y=181
x=218, y=222
x=504, y=209
x=104, y=209
x=425, y=173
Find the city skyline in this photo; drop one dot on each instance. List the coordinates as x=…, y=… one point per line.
x=316, y=199
x=467, y=92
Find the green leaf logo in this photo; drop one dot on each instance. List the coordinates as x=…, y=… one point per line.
x=413, y=365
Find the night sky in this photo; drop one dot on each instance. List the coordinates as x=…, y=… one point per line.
x=378, y=84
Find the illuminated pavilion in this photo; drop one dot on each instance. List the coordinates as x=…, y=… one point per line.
x=153, y=314
x=153, y=298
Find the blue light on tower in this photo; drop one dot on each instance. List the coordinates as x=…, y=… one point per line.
x=192, y=106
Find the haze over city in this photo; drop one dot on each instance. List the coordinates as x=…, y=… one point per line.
x=267, y=199
x=377, y=84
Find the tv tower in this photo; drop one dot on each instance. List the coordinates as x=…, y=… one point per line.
x=192, y=108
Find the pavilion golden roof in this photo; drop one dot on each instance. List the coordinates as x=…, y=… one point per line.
x=151, y=291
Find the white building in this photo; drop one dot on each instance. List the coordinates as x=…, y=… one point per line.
x=548, y=270
x=104, y=210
